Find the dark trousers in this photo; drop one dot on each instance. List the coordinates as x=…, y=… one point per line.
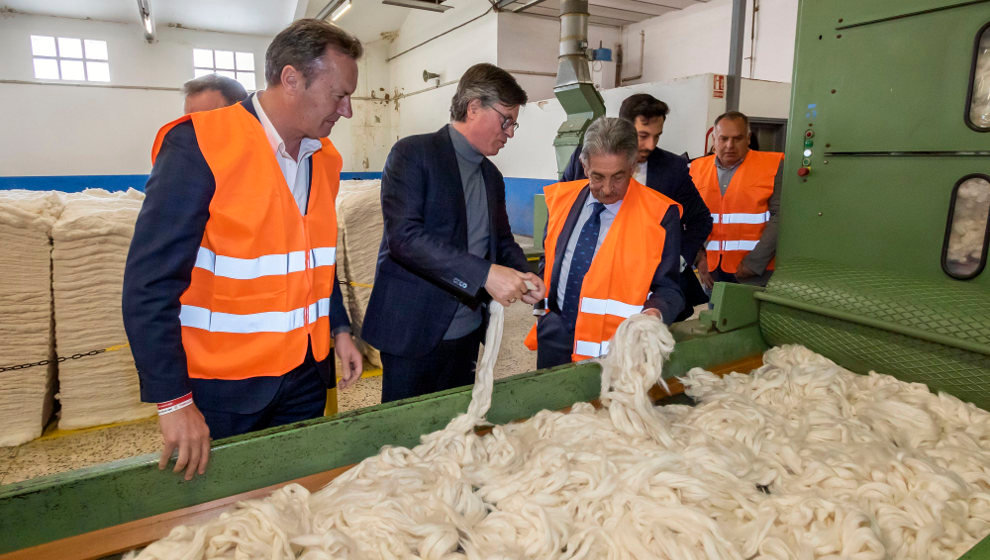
x=451, y=364
x=555, y=340
x=301, y=395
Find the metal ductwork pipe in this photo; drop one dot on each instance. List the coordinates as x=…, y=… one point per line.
x=572, y=65
x=574, y=89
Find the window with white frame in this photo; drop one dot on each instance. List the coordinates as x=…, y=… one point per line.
x=67, y=58
x=232, y=64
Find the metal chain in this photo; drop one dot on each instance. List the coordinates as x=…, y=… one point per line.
x=61, y=359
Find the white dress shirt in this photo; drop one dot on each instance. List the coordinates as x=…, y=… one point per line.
x=295, y=171
x=640, y=173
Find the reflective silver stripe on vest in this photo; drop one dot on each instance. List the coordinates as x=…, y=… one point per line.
x=741, y=245
x=609, y=307
x=740, y=218
x=593, y=349
x=270, y=321
x=265, y=265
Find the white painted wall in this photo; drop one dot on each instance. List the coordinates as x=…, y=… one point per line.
x=696, y=40
x=422, y=107
x=61, y=129
x=364, y=140
x=531, y=44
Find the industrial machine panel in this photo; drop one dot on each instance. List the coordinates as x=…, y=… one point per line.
x=899, y=84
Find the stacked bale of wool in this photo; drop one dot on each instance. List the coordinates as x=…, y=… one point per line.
x=91, y=239
x=26, y=219
x=359, y=234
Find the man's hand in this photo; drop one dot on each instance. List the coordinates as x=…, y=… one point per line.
x=705, y=275
x=744, y=272
x=505, y=284
x=185, y=430
x=539, y=289
x=350, y=358
x=653, y=312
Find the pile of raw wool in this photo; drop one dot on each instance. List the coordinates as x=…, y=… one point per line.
x=359, y=234
x=979, y=112
x=800, y=459
x=26, y=219
x=91, y=239
x=969, y=225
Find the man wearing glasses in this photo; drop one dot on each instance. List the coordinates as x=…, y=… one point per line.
x=447, y=248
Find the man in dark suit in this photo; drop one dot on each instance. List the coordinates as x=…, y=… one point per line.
x=666, y=173
x=612, y=250
x=447, y=247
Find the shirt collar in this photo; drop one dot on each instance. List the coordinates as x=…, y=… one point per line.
x=727, y=167
x=464, y=148
x=612, y=209
x=307, y=147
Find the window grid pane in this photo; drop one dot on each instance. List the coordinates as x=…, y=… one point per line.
x=42, y=45
x=72, y=70
x=69, y=47
x=202, y=72
x=224, y=59
x=95, y=50
x=202, y=58
x=247, y=80
x=245, y=61
x=46, y=68
x=97, y=71
x=227, y=74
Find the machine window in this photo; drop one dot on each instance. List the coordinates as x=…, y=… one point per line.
x=979, y=92
x=965, y=251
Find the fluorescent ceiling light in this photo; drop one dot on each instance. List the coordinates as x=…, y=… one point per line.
x=341, y=10
x=147, y=25
x=418, y=4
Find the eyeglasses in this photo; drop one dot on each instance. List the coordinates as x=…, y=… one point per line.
x=507, y=121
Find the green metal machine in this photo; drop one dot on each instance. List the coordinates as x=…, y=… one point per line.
x=881, y=140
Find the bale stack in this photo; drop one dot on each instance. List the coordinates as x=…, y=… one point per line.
x=359, y=234
x=91, y=240
x=26, y=219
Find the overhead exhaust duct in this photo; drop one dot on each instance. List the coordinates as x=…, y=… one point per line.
x=575, y=90
x=147, y=23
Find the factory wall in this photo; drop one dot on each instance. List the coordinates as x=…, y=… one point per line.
x=446, y=44
x=696, y=40
x=528, y=47
x=60, y=129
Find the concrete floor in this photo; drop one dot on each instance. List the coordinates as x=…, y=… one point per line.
x=65, y=451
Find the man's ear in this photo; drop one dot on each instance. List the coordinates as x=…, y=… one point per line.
x=474, y=107
x=292, y=79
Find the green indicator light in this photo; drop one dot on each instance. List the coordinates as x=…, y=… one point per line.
x=809, y=143
x=806, y=162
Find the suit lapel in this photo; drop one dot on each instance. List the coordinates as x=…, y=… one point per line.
x=653, y=169
x=491, y=184
x=562, y=240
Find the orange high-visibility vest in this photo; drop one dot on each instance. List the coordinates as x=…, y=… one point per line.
x=618, y=282
x=740, y=216
x=260, y=289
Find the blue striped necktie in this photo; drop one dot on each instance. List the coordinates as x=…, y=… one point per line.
x=584, y=252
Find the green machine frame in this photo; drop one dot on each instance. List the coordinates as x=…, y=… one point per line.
x=884, y=87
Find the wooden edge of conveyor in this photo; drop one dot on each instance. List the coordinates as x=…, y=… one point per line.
x=141, y=532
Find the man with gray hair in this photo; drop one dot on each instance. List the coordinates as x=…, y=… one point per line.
x=211, y=91
x=447, y=248
x=612, y=250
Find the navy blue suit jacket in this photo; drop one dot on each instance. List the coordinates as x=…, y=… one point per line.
x=424, y=268
x=167, y=237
